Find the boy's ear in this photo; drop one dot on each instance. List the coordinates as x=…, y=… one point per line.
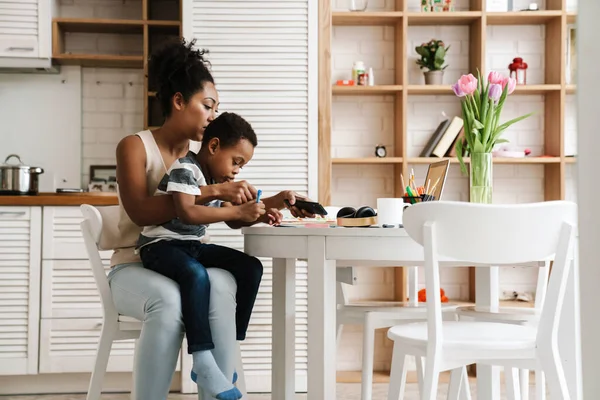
x=213, y=145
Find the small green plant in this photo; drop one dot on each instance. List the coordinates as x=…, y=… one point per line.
x=432, y=55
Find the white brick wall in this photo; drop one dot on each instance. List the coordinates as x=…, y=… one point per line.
x=113, y=108
x=360, y=123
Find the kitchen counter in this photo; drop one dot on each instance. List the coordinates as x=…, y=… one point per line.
x=67, y=199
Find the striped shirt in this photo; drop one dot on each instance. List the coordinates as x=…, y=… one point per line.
x=184, y=176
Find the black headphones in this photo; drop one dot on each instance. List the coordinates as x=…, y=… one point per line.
x=351, y=212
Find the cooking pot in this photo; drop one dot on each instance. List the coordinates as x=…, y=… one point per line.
x=18, y=179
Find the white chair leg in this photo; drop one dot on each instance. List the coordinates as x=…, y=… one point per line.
x=524, y=383
x=431, y=381
x=540, y=385
x=105, y=344
x=465, y=387
x=367, y=357
x=557, y=384
x=239, y=368
x=454, y=385
x=338, y=338
x=397, y=375
x=420, y=373
x=511, y=375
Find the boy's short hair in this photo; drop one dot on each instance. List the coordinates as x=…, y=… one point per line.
x=229, y=128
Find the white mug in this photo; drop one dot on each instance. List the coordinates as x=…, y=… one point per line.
x=389, y=211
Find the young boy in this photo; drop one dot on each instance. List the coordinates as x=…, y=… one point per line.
x=178, y=248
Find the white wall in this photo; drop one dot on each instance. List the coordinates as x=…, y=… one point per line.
x=589, y=215
x=360, y=123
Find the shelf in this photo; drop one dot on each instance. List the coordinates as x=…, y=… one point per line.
x=99, y=60
x=151, y=94
x=571, y=89
x=536, y=89
x=571, y=17
x=443, y=18
x=496, y=160
x=96, y=25
x=164, y=23
x=430, y=89
x=347, y=18
x=367, y=160
x=447, y=89
x=366, y=90
x=522, y=17
x=570, y=160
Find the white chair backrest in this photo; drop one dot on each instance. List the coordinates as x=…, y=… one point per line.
x=95, y=222
x=495, y=235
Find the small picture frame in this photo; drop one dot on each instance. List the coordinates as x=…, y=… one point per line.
x=103, y=178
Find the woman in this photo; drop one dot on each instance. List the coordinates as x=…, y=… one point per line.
x=189, y=100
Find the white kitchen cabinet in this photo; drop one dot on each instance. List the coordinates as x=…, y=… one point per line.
x=69, y=289
x=62, y=235
x=25, y=33
x=20, y=249
x=70, y=344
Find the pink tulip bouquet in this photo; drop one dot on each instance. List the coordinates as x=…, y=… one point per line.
x=481, y=108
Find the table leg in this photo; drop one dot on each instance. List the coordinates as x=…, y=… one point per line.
x=284, y=332
x=321, y=322
x=486, y=295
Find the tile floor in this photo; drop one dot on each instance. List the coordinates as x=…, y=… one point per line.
x=345, y=391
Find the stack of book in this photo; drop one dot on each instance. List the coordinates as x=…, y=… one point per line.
x=443, y=141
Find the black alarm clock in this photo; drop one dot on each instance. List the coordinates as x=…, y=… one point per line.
x=380, y=151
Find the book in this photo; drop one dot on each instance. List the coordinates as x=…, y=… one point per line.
x=435, y=138
x=452, y=150
x=448, y=137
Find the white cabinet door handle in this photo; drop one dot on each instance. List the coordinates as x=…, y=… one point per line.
x=12, y=213
x=20, y=48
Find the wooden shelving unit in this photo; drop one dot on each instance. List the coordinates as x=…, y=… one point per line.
x=160, y=20
x=554, y=89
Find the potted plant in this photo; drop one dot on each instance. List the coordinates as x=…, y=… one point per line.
x=482, y=103
x=432, y=57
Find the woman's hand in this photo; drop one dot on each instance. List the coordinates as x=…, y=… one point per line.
x=235, y=192
x=291, y=197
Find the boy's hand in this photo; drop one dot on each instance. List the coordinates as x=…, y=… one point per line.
x=272, y=217
x=291, y=196
x=251, y=211
x=237, y=192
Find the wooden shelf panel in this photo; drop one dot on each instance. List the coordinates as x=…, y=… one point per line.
x=367, y=160
x=97, y=25
x=497, y=160
x=447, y=89
x=571, y=89
x=151, y=94
x=365, y=90
x=571, y=17
x=536, y=89
x=164, y=23
x=443, y=18
x=99, y=60
x=570, y=160
x=368, y=18
x=522, y=17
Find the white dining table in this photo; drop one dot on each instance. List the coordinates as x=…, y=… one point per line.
x=328, y=247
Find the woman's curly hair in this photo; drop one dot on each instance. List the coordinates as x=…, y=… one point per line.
x=178, y=68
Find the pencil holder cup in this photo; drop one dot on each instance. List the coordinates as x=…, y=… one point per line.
x=418, y=199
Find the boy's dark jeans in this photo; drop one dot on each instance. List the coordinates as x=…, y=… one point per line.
x=185, y=261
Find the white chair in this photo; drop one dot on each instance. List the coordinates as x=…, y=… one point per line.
x=492, y=235
x=519, y=316
x=374, y=315
x=114, y=326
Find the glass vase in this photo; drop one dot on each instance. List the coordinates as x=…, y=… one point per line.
x=480, y=178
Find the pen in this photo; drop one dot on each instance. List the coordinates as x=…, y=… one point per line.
x=258, y=195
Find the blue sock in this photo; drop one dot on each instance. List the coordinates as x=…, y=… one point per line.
x=206, y=373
